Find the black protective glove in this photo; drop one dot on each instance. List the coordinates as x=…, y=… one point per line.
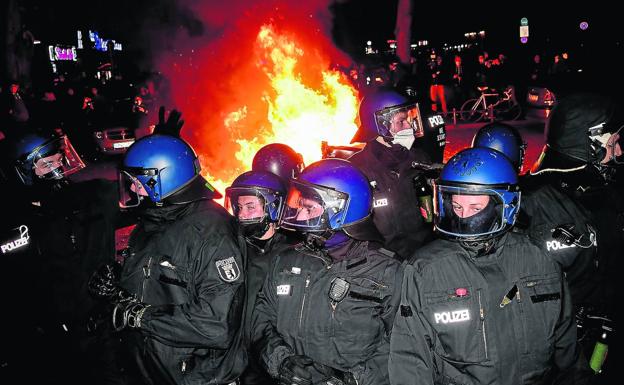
x=332, y=376
x=296, y=370
x=128, y=313
x=302, y=370
x=172, y=125
x=103, y=283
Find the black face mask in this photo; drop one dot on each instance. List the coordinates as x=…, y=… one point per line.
x=43, y=188
x=254, y=230
x=482, y=222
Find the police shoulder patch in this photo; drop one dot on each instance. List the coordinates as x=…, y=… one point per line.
x=228, y=269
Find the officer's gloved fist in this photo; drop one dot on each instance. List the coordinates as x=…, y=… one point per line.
x=332, y=376
x=296, y=370
x=103, y=283
x=128, y=313
x=172, y=125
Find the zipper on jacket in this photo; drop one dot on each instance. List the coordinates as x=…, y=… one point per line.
x=146, y=275
x=482, y=317
x=305, y=293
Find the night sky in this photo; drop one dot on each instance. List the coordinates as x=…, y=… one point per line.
x=354, y=22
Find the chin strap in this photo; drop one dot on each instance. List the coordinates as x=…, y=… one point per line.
x=481, y=247
x=316, y=241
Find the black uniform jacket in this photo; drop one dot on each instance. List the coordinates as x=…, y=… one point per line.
x=396, y=211
x=294, y=314
x=259, y=256
x=455, y=325
x=185, y=262
x=548, y=208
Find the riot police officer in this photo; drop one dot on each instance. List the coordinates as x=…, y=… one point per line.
x=548, y=213
x=179, y=298
x=63, y=231
x=256, y=198
x=325, y=311
x=574, y=204
x=396, y=135
x=484, y=304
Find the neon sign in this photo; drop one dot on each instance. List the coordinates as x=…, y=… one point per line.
x=57, y=53
x=101, y=44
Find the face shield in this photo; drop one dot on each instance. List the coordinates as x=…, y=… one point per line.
x=402, y=120
x=53, y=160
x=253, y=204
x=607, y=147
x=313, y=208
x=136, y=185
x=473, y=213
x=255, y=208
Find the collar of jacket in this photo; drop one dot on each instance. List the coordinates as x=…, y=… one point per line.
x=156, y=218
x=484, y=253
x=348, y=250
x=390, y=157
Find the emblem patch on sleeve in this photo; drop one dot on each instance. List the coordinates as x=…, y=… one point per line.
x=228, y=269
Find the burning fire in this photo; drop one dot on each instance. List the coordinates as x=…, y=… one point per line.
x=307, y=103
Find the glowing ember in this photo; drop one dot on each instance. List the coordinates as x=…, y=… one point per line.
x=301, y=113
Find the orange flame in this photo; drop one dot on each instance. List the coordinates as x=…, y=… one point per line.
x=301, y=114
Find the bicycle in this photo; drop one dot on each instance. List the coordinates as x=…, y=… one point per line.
x=504, y=107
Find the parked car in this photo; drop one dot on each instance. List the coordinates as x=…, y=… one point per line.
x=114, y=140
x=540, y=101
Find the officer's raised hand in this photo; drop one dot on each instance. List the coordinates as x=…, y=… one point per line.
x=172, y=125
x=103, y=283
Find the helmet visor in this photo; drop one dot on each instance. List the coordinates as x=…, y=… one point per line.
x=253, y=204
x=55, y=159
x=468, y=212
x=398, y=118
x=136, y=185
x=313, y=208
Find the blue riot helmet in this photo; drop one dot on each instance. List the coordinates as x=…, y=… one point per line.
x=37, y=158
x=387, y=113
x=256, y=199
x=476, y=197
x=280, y=159
x=503, y=138
x=164, y=170
x=330, y=195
